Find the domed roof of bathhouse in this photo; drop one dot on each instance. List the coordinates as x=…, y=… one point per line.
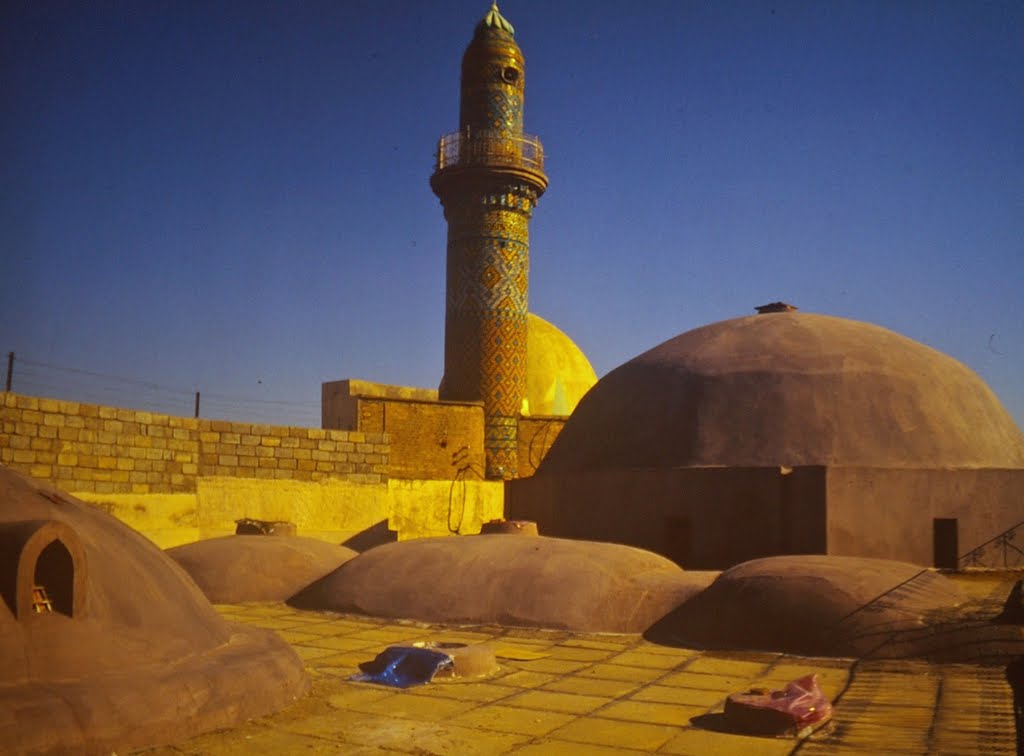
x=558, y=374
x=104, y=640
x=788, y=388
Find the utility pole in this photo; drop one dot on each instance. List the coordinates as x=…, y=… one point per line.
x=10, y=370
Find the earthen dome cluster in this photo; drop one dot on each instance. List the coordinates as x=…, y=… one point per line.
x=789, y=389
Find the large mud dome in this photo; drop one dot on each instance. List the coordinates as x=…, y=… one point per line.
x=788, y=389
x=509, y=580
x=836, y=606
x=240, y=568
x=106, y=644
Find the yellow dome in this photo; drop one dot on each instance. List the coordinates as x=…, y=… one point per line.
x=558, y=374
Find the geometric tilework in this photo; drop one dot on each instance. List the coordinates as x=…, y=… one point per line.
x=485, y=315
x=488, y=257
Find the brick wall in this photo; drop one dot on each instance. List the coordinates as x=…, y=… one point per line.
x=430, y=439
x=87, y=447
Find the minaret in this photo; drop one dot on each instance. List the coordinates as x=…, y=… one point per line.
x=489, y=176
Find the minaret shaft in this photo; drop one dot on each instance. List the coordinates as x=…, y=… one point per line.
x=489, y=176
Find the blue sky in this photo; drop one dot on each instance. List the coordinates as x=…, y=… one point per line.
x=233, y=197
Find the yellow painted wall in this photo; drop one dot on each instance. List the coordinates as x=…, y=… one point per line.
x=332, y=509
x=424, y=508
x=166, y=519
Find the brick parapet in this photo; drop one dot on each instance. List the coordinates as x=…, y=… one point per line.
x=87, y=447
x=430, y=440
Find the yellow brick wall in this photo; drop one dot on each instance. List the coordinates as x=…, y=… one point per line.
x=429, y=440
x=109, y=450
x=178, y=480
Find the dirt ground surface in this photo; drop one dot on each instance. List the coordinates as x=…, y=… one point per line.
x=568, y=693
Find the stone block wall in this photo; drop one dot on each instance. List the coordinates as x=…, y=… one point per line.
x=93, y=448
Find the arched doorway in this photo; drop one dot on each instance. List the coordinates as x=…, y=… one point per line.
x=54, y=580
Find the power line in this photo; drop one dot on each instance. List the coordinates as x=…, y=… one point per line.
x=77, y=384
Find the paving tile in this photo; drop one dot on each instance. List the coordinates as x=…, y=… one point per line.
x=317, y=667
x=650, y=712
x=523, y=679
x=419, y=708
x=548, y=747
x=727, y=667
x=601, y=694
x=605, y=645
x=660, y=648
x=592, y=687
x=344, y=643
x=569, y=703
x=646, y=659
x=296, y=636
x=620, y=672
x=677, y=696
x=616, y=734
x=530, y=642
x=550, y=666
x=359, y=729
x=466, y=690
x=519, y=651
x=359, y=693
x=309, y=653
x=271, y=623
x=553, y=636
x=349, y=660
x=513, y=719
x=694, y=741
x=574, y=653
x=337, y=627
x=700, y=681
x=258, y=741
x=441, y=635
x=831, y=681
x=390, y=636
x=258, y=609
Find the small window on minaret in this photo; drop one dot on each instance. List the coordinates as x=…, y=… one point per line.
x=510, y=75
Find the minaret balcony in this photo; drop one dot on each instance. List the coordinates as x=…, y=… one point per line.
x=495, y=151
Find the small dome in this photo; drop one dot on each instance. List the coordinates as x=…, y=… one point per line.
x=581, y=586
x=789, y=389
x=814, y=605
x=558, y=374
x=105, y=640
x=237, y=568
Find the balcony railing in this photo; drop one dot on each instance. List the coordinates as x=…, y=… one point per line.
x=491, y=148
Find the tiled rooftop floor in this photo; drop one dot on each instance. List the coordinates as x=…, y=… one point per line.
x=568, y=693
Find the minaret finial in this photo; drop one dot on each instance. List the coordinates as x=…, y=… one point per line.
x=494, y=20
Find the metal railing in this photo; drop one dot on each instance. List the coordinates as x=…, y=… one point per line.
x=490, y=148
x=1012, y=555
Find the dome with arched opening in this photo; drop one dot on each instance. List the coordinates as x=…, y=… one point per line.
x=105, y=639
